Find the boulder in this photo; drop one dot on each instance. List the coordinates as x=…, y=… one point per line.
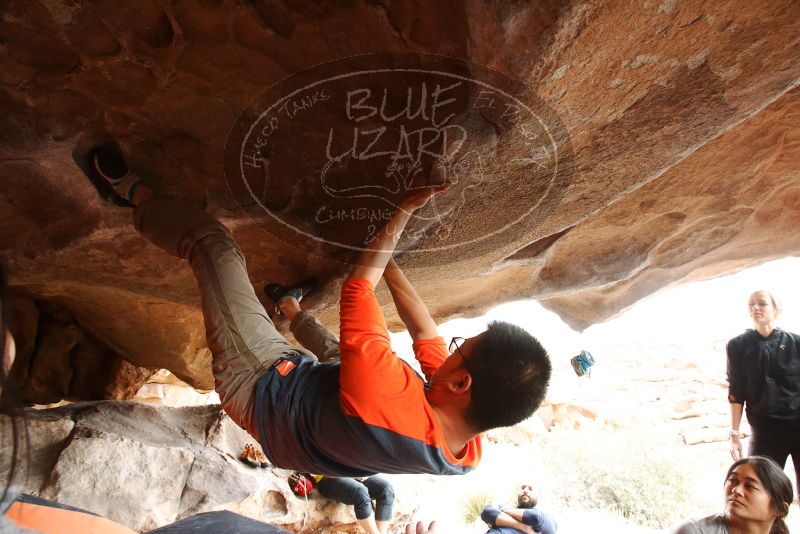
x=146, y=466
x=152, y=476
x=47, y=435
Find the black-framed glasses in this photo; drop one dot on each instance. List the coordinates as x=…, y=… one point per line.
x=455, y=346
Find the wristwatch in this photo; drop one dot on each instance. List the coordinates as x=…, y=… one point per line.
x=733, y=433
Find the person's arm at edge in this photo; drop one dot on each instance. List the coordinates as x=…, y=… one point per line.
x=410, y=307
x=736, y=419
x=737, y=406
x=372, y=260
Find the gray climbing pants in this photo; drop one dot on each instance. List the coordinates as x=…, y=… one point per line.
x=243, y=340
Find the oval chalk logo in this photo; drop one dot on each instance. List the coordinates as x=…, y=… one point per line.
x=323, y=158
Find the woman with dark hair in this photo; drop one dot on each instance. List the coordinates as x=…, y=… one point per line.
x=757, y=498
x=764, y=379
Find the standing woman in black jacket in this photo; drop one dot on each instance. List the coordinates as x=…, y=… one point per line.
x=764, y=380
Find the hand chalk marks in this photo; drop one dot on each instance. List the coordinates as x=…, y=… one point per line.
x=323, y=158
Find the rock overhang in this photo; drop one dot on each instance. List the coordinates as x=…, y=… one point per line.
x=683, y=124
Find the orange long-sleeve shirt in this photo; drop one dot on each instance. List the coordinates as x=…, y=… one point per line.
x=365, y=415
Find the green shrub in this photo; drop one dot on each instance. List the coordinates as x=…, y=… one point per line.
x=630, y=473
x=472, y=504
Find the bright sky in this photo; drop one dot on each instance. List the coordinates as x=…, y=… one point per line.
x=704, y=313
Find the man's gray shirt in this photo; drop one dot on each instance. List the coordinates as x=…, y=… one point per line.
x=713, y=524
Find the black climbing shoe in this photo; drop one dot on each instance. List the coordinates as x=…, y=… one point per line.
x=105, y=167
x=275, y=292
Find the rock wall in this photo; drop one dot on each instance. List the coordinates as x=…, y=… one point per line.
x=58, y=359
x=146, y=467
x=681, y=117
x=731, y=204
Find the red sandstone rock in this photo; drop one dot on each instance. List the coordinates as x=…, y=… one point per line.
x=89, y=35
x=681, y=119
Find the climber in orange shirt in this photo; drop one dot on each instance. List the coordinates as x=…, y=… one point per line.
x=366, y=411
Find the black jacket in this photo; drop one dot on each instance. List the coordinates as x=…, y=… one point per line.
x=764, y=375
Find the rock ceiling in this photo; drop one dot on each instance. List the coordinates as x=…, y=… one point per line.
x=680, y=122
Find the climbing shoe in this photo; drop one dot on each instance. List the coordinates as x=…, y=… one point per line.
x=275, y=292
x=301, y=484
x=248, y=456
x=261, y=459
x=110, y=165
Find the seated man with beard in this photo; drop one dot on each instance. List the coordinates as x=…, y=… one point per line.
x=524, y=518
